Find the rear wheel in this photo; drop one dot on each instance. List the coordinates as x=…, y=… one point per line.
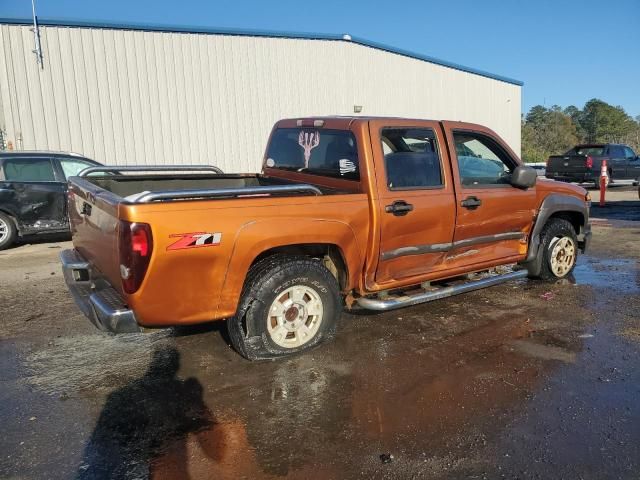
x=289, y=305
x=559, y=249
x=8, y=231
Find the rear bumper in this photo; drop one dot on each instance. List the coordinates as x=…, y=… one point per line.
x=95, y=297
x=585, y=177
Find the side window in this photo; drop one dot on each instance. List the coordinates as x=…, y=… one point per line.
x=29, y=170
x=71, y=168
x=481, y=161
x=411, y=158
x=616, y=152
x=628, y=153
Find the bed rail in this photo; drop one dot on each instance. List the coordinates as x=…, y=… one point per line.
x=151, y=168
x=147, y=197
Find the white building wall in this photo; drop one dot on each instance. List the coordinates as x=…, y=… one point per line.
x=142, y=97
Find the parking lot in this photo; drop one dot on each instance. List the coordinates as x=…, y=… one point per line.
x=523, y=380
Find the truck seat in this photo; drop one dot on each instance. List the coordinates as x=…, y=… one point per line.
x=412, y=169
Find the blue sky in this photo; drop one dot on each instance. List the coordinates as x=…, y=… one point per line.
x=565, y=51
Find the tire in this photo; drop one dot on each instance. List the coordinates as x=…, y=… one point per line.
x=303, y=297
x=8, y=231
x=559, y=249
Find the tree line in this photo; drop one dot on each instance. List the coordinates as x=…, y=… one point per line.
x=554, y=130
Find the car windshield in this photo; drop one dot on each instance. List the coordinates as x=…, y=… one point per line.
x=331, y=153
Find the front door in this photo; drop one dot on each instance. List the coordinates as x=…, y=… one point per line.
x=33, y=194
x=416, y=199
x=633, y=164
x=494, y=218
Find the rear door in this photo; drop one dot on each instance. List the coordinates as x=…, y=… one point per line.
x=633, y=164
x=493, y=218
x=70, y=167
x=32, y=191
x=416, y=198
x=617, y=163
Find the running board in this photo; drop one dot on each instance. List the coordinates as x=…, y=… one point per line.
x=391, y=303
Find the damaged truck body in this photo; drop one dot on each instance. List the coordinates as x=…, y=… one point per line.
x=355, y=212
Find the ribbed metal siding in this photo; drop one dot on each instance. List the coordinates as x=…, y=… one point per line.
x=125, y=96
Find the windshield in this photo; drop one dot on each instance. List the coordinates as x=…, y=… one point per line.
x=331, y=153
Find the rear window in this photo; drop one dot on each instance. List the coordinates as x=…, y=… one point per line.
x=29, y=170
x=595, y=151
x=331, y=153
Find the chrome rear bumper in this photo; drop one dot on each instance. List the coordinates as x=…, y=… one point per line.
x=95, y=297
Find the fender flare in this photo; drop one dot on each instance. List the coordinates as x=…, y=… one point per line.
x=249, y=244
x=552, y=204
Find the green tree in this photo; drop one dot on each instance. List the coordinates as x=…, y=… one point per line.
x=546, y=131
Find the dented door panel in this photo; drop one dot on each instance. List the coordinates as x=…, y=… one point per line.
x=37, y=206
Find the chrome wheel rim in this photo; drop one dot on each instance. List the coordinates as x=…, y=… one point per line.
x=563, y=255
x=4, y=230
x=295, y=316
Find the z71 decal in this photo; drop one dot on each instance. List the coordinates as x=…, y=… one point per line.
x=195, y=240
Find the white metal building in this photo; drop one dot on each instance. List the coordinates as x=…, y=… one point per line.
x=140, y=94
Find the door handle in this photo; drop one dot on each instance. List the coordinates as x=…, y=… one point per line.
x=399, y=208
x=471, y=203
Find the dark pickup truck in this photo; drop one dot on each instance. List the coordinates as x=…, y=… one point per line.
x=33, y=192
x=582, y=164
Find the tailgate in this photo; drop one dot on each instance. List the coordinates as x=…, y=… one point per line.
x=93, y=217
x=567, y=164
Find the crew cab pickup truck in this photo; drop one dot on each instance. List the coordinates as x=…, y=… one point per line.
x=583, y=164
x=369, y=213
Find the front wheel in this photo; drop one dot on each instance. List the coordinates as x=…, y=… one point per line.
x=289, y=305
x=559, y=249
x=8, y=231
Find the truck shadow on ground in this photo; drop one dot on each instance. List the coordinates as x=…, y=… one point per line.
x=142, y=419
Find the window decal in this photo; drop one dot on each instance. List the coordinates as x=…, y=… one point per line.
x=308, y=141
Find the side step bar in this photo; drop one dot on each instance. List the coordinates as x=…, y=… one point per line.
x=391, y=303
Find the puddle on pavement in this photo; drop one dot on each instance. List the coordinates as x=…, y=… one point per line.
x=621, y=274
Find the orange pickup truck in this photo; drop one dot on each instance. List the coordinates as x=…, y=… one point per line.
x=370, y=213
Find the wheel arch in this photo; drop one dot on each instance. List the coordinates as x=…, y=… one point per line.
x=332, y=241
x=567, y=207
x=12, y=217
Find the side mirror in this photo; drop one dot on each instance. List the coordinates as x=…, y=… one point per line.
x=524, y=177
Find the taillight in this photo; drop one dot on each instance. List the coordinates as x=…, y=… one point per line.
x=135, y=246
x=589, y=162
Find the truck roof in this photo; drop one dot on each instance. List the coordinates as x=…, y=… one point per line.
x=354, y=118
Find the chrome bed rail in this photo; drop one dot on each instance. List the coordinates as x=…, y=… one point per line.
x=150, y=168
x=147, y=197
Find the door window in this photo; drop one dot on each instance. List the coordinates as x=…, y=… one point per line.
x=411, y=159
x=29, y=170
x=616, y=152
x=481, y=161
x=628, y=153
x=71, y=168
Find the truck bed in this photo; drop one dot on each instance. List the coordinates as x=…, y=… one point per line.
x=130, y=186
